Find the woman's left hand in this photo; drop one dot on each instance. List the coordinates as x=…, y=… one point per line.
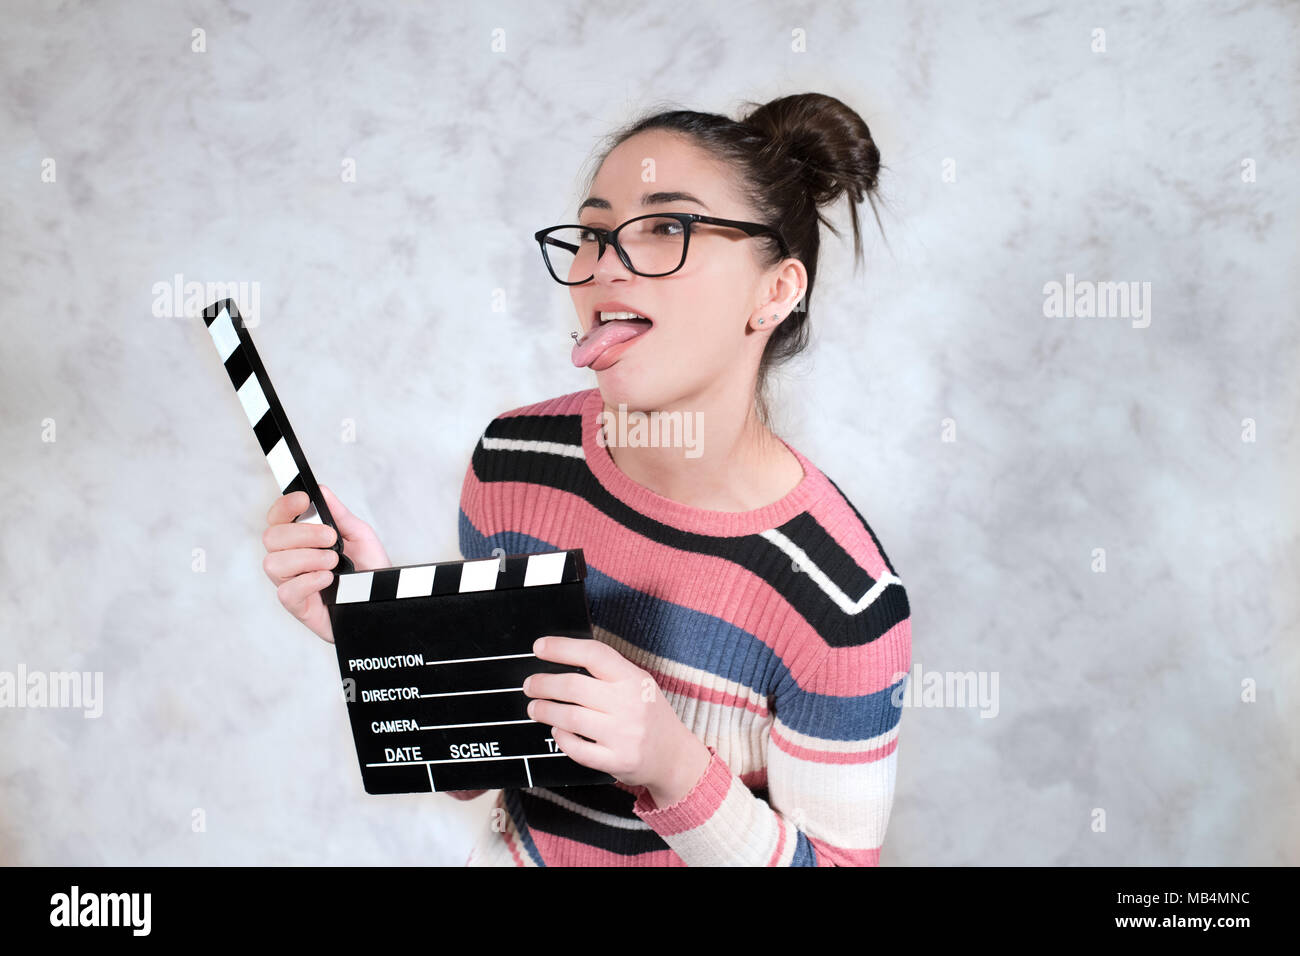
x=638, y=737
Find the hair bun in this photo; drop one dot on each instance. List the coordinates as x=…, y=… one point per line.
x=828, y=140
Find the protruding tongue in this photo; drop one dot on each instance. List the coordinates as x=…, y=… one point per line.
x=600, y=337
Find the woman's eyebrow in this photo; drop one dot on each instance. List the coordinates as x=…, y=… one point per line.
x=649, y=199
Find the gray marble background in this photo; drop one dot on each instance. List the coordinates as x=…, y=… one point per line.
x=1119, y=690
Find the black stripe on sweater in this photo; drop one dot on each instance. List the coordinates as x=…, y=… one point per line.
x=548, y=817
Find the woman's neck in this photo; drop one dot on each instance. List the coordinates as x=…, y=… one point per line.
x=735, y=463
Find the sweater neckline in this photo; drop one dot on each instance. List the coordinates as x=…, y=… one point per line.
x=686, y=517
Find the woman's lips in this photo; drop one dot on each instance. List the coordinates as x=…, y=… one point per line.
x=600, y=337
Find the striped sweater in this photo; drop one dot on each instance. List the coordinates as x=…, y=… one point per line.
x=780, y=636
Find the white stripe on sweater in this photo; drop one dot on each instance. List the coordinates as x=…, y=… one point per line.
x=806, y=564
x=519, y=444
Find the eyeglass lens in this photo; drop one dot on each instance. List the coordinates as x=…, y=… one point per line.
x=656, y=245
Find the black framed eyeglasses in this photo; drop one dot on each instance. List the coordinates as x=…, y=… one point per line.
x=653, y=245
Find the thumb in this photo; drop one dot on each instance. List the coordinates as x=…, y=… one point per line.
x=348, y=523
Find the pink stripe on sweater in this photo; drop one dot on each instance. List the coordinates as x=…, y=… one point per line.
x=680, y=685
x=823, y=756
x=570, y=404
x=512, y=843
x=775, y=858
x=828, y=855
x=565, y=852
x=855, y=671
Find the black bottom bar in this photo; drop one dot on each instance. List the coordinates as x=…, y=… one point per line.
x=912, y=907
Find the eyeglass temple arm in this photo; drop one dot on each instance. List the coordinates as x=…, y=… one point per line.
x=749, y=228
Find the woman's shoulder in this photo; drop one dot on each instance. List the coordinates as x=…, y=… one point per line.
x=842, y=520
x=518, y=447
x=848, y=565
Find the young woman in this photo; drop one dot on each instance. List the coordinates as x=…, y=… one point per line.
x=752, y=637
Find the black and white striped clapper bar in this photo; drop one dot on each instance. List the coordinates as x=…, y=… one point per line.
x=433, y=656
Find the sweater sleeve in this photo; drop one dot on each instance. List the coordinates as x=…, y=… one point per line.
x=832, y=757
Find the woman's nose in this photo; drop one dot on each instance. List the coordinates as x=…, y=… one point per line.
x=609, y=261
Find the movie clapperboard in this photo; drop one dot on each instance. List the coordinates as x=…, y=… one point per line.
x=432, y=656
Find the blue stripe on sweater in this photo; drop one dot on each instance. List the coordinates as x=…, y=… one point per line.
x=804, y=854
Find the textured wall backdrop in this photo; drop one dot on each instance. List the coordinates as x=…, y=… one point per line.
x=993, y=447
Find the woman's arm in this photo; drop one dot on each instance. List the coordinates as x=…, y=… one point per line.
x=832, y=763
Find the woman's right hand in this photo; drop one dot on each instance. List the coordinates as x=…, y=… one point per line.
x=300, y=557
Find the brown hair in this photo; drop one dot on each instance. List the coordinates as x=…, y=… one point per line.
x=790, y=156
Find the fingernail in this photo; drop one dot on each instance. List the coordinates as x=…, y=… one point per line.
x=539, y=645
x=526, y=680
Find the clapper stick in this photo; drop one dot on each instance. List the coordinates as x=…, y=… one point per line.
x=266, y=415
x=432, y=656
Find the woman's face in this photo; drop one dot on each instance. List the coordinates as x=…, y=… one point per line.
x=700, y=336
